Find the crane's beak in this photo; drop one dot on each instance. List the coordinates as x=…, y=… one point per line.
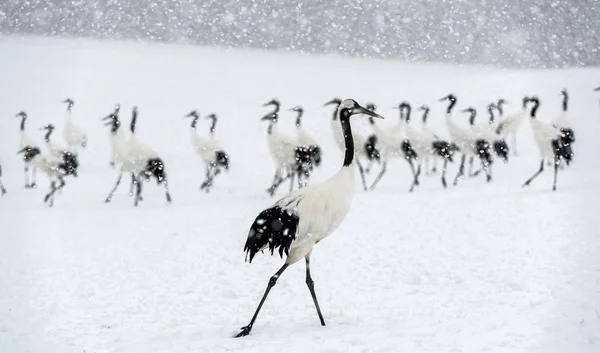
x=266, y=117
x=465, y=110
x=361, y=110
x=333, y=101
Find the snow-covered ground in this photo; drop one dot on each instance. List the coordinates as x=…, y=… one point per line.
x=476, y=268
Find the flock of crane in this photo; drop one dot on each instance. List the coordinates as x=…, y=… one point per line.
x=296, y=157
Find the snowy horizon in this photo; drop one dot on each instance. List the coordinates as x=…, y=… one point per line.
x=537, y=34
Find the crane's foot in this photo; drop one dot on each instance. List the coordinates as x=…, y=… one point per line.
x=3, y=191
x=169, y=198
x=244, y=332
x=444, y=183
x=488, y=178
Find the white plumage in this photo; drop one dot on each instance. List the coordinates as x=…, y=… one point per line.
x=297, y=222
x=72, y=133
x=27, y=142
x=55, y=149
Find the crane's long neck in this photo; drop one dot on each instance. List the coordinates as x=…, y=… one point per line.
x=348, y=138
x=491, y=112
x=47, y=136
x=213, y=125
x=565, y=102
x=472, y=118
x=194, y=122
x=451, y=106
x=23, y=118
x=133, y=122
x=299, y=119
x=425, y=115
x=335, y=112
x=536, y=104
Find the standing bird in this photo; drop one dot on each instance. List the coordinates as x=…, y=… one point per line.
x=308, y=152
x=71, y=132
x=27, y=142
x=359, y=141
x=427, y=131
x=282, y=148
x=371, y=150
x=509, y=126
x=117, y=136
x=564, y=123
x=550, y=141
x=295, y=223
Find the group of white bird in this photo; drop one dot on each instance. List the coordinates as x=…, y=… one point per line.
x=420, y=145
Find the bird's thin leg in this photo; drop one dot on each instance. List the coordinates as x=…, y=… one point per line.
x=114, y=187
x=536, y=174
x=33, y=174
x=461, y=169
x=556, y=165
x=426, y=165
x=416, y=177
x=488, y=172
x=206, y=183
x=50, y=195
x=132, y=185
x=138, y=190
x=2, y=189
x=362, y=174
x=434, y=168
x=471, y=161
x=292, y=177
x=26, y=176
x=383, y=168
x=414, y=171
x=311, y=287
x=444, y=167
x=246, y=329
x=167, y=194
x=514, y=142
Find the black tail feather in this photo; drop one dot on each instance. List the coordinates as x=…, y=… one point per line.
x=482, y=149
x=409, y=152
x=444, y=149
x=501, y=149
x=155, y=167
x=222, y=159
x=273, y=228
x=371, y=148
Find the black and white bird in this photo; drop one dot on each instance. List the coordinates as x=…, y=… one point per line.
x=209, y=149
x=282, y=149
x=27, y=142
x=487, y=132
x=550, y=141
x=117, y=137
x=563, y=122
x=2, y=188
x=142, y=162
x=295, y=223
x=359, y=141
x=509, y=126
x=308, y=152
x=480, y=140
x=72, y=133
x=56, y=170
x=393, y=143
x=428, y=131
x=55, y=149
x=371, y=149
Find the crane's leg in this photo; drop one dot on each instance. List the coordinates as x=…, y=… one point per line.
x=277, y=180
x=556, y=165
x=246, y=329
x=461, y=169
x=33, y=174
x=361, y=170
x=426, y=161
x=444, y=167
x=536, y=174
x=434, y=168
x=292, y=177
x=2, y=189
x=311, y=287
x=413, y=170
x=383, y=168
x=132, y=185
x=514, y=142
x=27, y=176
x=114, y=187
x=471, y=161
x=488, y=172
x=416, y=178
x=138, y=191
x=50, y=195
x=167, y=193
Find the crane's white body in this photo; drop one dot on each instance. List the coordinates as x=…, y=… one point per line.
x=304, y=138
x=137, y=155
x=390, y=140
x=463, y=138
x=281, y=147
x=321, y=209
x=119, y=146
x=421, y=143
x=509, y=127
x=26, y=141
x=543, y=134
x=48, y=165
x=205, y=147
x=73, y=134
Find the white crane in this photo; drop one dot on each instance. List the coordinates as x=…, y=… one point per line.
x=209, y=149
x=394, y=143
x=72, y=133
x=564, y=123
x=2, y=188
x=508, y=126
x=550, y=141
x=359, y=141
x=281, y=147
x=486, y=132
x=55, y=170
x=142, y=163
x=56, y=150
x=295, y=223
x=426, y=145
x=428, y=131
x=466, y=141
x=25, y=142
x=308, y=152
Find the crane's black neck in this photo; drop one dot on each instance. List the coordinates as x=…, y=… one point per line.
x=500, y=107
x=116, y=123
x=348, y=138
x=536, y=105
x=47, y=136
x=23, y=118
x=490, y=109
x=472, y=117
x=565, y=101
x=408, y=110
x=133, y=121
x=425, y=115
x=299, y=118
x=194, y=122
x=335, y=112
x=452, y=100
x=213, y=125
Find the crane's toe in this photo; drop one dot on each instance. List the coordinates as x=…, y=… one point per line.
x=244, y=332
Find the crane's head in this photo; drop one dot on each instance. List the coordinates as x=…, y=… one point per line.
x=48, y=127
x=424, y=108
x=563, y=92
x=526, y=101
x=334, y=101
x=192, y=114
x=597, y=89
x=349, y=107
x=70, y=103
x=371, y=106
x=211, y=116
x=21, y=114
x=501, y=102
x=117, y=108
x=451, y=98
x=298, y=109
x=473, y=113
x=274, y=102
